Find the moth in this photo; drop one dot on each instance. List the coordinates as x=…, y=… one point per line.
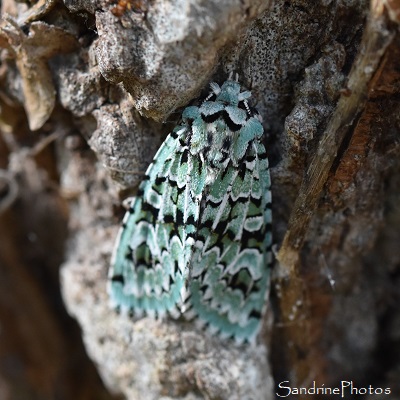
x=196, y=240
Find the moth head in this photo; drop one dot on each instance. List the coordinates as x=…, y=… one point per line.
x=230, y=93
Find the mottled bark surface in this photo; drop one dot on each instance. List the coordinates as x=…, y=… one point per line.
x=88, y=91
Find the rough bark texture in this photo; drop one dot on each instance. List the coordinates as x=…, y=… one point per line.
x=88, y=90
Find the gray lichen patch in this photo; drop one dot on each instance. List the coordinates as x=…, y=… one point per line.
x=124, y=142
x=315, y=97
x=166, y=58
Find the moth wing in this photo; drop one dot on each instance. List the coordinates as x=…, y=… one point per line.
x=229, y=278
x=149, y=265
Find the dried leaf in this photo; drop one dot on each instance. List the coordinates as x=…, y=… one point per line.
x=31, y=52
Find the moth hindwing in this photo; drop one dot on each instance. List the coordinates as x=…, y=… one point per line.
x=197, y=238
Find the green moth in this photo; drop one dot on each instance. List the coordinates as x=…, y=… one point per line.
x=196, y=240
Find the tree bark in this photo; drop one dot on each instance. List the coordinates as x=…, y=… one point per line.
x=88, y=91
